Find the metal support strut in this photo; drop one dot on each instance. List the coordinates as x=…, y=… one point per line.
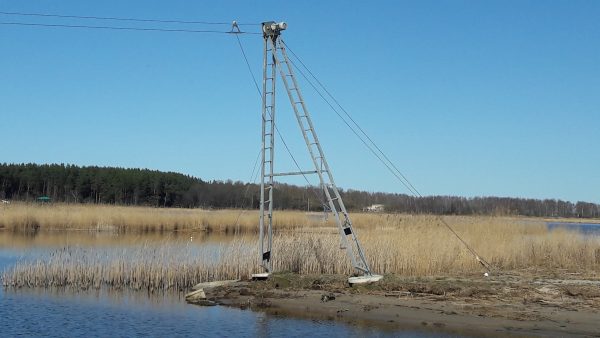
x=267, y=155
x=275, y=58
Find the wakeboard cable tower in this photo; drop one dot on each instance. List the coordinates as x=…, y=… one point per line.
x=275, y=60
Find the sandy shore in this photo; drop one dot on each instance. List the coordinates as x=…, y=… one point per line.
x=518, y=304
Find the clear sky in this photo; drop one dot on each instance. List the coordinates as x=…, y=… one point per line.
x=471, y=98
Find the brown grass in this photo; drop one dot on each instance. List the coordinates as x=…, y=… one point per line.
x=394, y=244
x=27, y=217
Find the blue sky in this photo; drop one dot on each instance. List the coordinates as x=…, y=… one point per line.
x=471, y=98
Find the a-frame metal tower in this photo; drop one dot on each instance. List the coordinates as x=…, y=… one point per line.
x=275, y=60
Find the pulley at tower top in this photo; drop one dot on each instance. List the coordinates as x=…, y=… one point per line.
x=272, y=28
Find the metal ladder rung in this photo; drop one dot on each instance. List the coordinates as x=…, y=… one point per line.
x=277, y=51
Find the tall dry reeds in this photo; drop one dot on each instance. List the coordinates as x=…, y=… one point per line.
x=154, y=268
x=24, y=217
x=405, y=249
x=27, y=217
x=304, y=243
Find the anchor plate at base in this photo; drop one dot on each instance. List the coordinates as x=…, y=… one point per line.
x=261, y=276
x=364, y=279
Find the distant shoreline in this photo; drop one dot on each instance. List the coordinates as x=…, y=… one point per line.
x=64, y=183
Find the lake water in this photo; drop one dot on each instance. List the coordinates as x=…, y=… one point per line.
x=585, y=228
x=59, y=313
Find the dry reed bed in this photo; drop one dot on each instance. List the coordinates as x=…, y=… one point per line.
x=28, y=217
x=405, y=249
x=25, y=217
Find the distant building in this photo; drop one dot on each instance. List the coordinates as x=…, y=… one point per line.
x=375, y=208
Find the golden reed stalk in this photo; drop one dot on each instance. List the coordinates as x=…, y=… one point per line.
x=304, y=243
x=408, y=250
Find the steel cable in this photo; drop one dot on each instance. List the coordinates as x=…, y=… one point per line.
x=145, y=29
x=319, y=198
x=397, y=173
x=46, y=15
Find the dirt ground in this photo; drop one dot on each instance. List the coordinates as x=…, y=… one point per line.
x=521, y=303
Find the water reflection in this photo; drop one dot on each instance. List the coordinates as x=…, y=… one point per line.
x=57, y=239
x=59, y=312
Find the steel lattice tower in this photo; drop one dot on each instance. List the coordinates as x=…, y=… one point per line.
x=275, y=60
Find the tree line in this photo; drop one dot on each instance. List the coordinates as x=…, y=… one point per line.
x=91, y=184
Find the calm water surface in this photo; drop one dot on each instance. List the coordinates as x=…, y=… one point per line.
x=585, y=228
x=56, y=313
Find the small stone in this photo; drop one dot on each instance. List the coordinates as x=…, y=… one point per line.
x=327, y=297
x=195, y=296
